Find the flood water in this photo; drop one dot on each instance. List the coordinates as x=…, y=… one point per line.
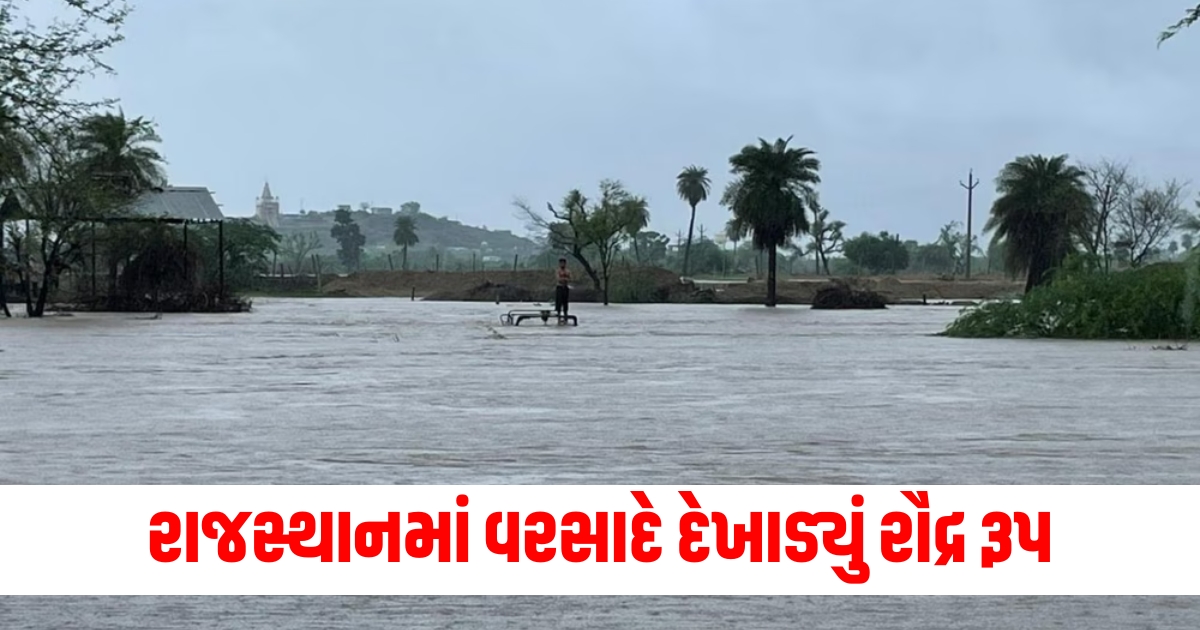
x=399, y=392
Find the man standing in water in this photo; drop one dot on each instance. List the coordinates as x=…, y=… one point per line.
x=562, y=291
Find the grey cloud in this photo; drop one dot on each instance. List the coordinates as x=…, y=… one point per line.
x=464, y=104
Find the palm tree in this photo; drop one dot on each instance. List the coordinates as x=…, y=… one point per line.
x=637, y=217
x=405, y=235
x=1043, y=201
x=693, y=186
x=767, y=196
x=119, y=150
x=735, y=233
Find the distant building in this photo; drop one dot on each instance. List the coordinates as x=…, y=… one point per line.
x=266, y=210
x=382, y=211
x=179, y=202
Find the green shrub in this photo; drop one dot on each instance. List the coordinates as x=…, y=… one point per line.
x=1154, y=302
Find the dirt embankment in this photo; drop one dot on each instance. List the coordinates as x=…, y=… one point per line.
x=525, y=285
x=652, y=285
x=895, y=290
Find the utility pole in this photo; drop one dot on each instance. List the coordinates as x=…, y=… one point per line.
x=970, y=186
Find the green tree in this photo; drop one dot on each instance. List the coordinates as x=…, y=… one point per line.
x=653, y=247
x=953, y=242
x=825, y=236
x=60, y=196
x=1043, y=203
x=591, y=232
x=767, y=197
x=693, y=186
x=735, y=234
x=248, y=249
x=297, y=248
x=931, y=258
x=706, y=256
x=349, y=238
x=405, y=235
x=877, y=253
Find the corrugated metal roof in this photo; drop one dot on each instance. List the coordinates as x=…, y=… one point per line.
x=178, y=202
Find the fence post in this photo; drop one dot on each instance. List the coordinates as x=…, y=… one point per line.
x=515, y=258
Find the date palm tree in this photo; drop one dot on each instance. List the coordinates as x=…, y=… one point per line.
x=736, y=232
x=637, y=217
x=768, y=197
x=693, y=186
x=405, y=235
x=121, y=151
x=1043, y=201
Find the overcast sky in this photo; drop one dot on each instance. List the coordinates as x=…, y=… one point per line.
x=464, y=104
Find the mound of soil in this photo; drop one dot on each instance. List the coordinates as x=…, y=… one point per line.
x=840, y=295
x=496, y=291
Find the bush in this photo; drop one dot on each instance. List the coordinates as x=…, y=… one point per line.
x=1154, y=302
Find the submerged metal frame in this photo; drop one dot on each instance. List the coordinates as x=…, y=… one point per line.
x=514, y=318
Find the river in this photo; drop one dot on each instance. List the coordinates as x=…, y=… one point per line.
x=397, y=392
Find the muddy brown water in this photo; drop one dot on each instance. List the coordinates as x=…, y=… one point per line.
x=398, y=392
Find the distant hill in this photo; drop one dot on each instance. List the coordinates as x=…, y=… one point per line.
x=378, y=224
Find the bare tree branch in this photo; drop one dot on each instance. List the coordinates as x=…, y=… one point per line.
x=1147, y=217
x=1109, y=184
